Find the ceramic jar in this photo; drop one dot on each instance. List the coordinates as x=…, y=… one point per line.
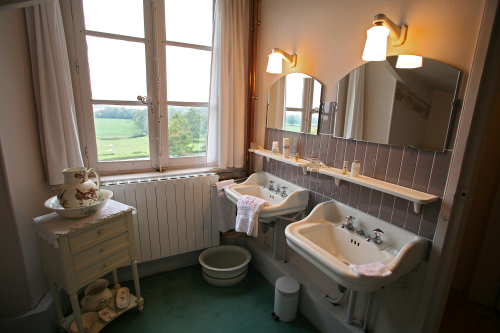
x=97, y=296
x=78, y=191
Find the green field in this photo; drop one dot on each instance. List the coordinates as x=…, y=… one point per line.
x=296, y=128
x=120, y=139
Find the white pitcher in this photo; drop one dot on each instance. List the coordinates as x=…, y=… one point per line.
x=78, y=191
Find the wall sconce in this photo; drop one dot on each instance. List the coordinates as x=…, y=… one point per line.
x=376, y=40
x=409, y=61
x=274, y=65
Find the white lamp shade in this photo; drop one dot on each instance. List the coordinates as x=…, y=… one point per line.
x=274, y=65
x=376, y=44
x=409, y=61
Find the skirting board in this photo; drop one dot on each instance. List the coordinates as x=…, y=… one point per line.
x=312, y=302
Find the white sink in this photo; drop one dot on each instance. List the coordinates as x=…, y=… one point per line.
x=320, y=239
x=295, y=201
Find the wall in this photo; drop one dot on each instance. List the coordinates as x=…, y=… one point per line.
x=21, y=146
x=328, y=38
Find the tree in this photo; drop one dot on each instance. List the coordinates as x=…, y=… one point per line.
x=179, y=136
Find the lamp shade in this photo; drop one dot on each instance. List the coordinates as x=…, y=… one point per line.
x=376, y=44
x=274, y=65
x=409, y=61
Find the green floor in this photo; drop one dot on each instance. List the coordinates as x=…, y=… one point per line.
x=182, y=301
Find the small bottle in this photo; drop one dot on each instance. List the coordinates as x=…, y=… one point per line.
x=297, y=157
x=286, y=147
x=355, y=169
x=275, y=147
x=344, y=169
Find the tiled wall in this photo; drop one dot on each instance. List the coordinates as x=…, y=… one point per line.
x=417, y=169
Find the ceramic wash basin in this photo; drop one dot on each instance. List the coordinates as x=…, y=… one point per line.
x=295, y=201
x=320, y=239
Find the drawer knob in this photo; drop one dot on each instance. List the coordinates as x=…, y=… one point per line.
x=103, y=248
x=106, y=264
x=100, y=232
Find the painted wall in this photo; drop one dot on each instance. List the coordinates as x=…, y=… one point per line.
x=328, y=37
x=21, y=146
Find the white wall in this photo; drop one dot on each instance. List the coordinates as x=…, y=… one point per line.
x=20, y=142
x=328, y=38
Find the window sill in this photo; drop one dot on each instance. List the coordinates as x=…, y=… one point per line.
x=170, y=173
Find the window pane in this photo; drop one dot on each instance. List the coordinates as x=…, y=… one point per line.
x=121, y=17
x=117, y=69
x=188, y=74
x=294, y=91
x=189, y=21
x=314, y=123
x=122, y=132
x=187, y=131
x=293, y=121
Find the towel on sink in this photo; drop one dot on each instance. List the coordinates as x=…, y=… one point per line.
x=247, y=220
x=227, y=209
x=375, y=269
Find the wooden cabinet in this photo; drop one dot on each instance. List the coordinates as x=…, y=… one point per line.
x=86, y=254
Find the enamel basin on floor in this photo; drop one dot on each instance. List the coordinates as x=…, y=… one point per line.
x=295, y=201
x=320, y=239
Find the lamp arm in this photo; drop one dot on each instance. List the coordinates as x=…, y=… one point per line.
x=291, y=59
x=396, y=33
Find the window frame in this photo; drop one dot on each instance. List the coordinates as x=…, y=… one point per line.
x=155, y=57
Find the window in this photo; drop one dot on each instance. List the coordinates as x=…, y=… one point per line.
x=159, y=49
x=302, y=109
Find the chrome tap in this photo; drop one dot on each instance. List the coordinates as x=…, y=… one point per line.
x=376, y=236
x=361, y=232
x=277, y=190
x=348, y=225
x=271, y=186
x=283, y=191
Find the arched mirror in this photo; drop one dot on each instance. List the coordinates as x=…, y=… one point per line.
x=294, y=103
x=380, y=103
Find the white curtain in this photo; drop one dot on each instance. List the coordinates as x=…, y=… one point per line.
x=228, y=87
x=355, y=105
x=53, y=90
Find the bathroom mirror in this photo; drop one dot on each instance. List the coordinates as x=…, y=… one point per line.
x=380, y=103
x=294, y=103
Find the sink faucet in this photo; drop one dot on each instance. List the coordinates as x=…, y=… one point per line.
x=361, y=232
x=271, y=186
x=376, y=236
x=348, y=225
x=283, y=191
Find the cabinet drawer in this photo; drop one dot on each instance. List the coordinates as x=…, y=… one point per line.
x=101, y=266
x=97, y=234
x=100, y=249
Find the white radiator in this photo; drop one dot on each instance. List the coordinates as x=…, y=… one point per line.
x=175, y=215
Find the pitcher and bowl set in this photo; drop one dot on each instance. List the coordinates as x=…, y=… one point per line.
x=78, y=196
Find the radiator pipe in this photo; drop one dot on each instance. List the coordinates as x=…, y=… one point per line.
x=276, y=229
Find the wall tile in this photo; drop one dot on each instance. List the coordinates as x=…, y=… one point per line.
x=386, y=207
x=370, y=158
x=335, y=192
x=345, y=188
x=316, y=142
x=310, y=204
x=364, y=199
x=354, y=195
x=413, y=219
x=302, y=145
x=266, y=140
x=381, y=163
x=349, y=153
x=339, y=156
x=264, y=164
x=281, y=170
x=332, y=151
x=313, y=181
x=430, y=217
x=408, y=167
x=327, y=186
x=360, y=154
x=423, y=170
x=309, y=144
x=300, y=177
x=323, y=148
x=399, y=212
x=394, y=165
x=289, y=170
x=439, y=173
x=280, y=140
x=320, y=183
x=375, y=201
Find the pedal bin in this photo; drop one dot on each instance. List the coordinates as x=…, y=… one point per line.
x=286, y=298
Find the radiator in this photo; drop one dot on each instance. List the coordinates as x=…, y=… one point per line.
x=175, y=215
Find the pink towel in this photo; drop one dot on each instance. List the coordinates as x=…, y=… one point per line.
x=375, y=269
x=247, y=220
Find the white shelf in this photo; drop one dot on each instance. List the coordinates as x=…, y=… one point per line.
x=279, y=157
x=418, y=198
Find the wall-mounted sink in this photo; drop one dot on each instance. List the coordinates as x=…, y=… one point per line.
x=295, y=201
x=320, y=239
